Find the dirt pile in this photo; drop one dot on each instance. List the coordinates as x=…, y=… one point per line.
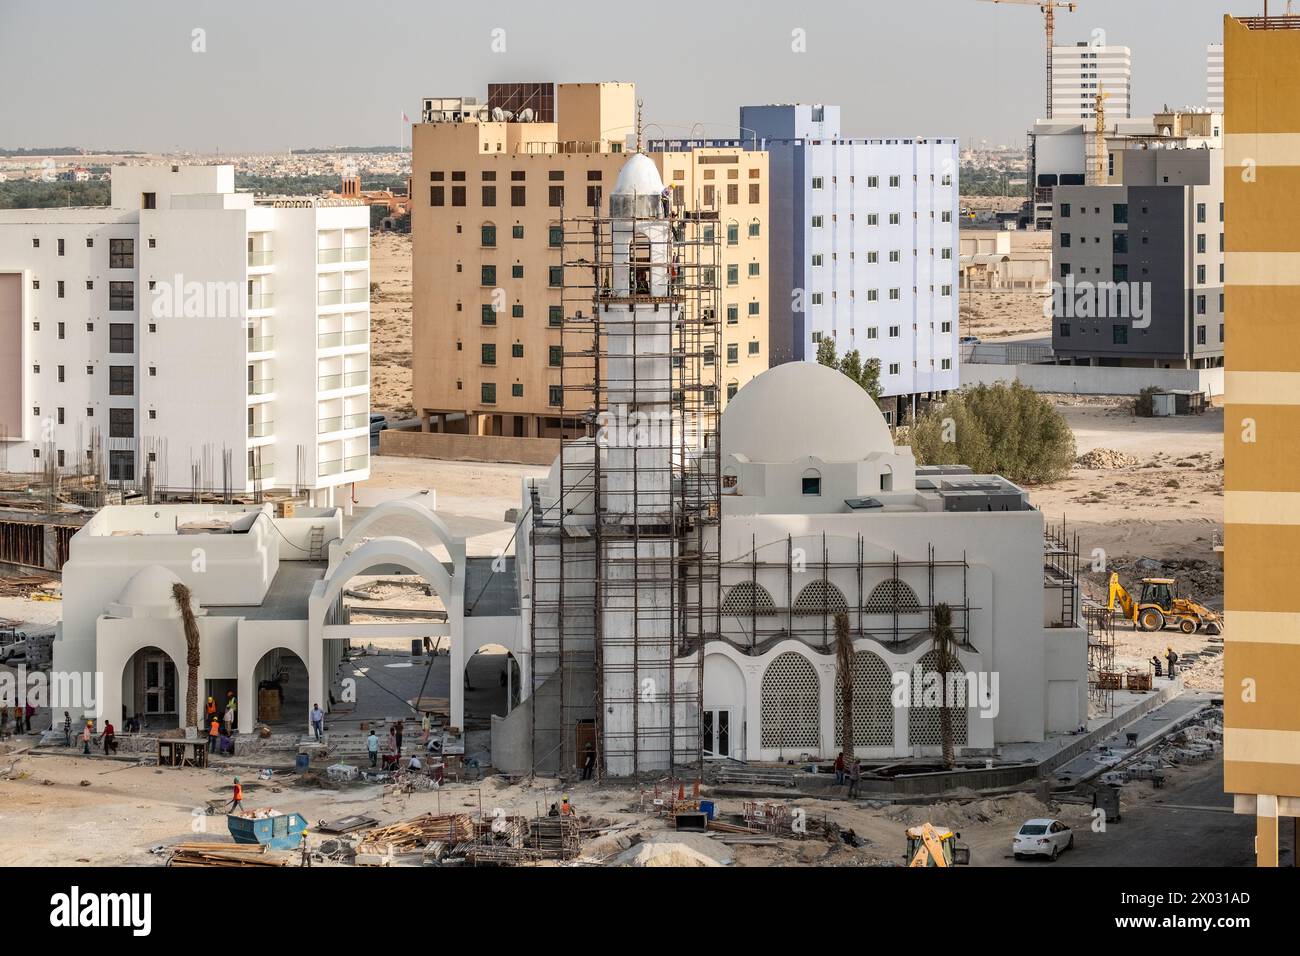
x=1105, y=458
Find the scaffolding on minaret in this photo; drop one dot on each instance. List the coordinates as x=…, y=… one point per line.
x=623, y=601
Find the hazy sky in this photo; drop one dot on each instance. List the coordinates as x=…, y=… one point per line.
x=287, y=73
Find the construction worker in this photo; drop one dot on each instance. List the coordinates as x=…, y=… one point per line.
x=855, y=777
x=85, y=738
x=317, y=720
x=231, y=711
x=109, y=738
x=237, y=797
x=1155, y=662
x=214, y=734
x=67, y=729
x=566, y=808
x=211, y=710
x=588, y=760
x=372, y=747
x=1172, y=658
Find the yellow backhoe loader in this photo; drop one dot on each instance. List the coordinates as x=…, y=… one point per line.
x=1156, y=607
x=928, y=845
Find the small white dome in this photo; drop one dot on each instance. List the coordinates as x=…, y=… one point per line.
x=803, y=410
x=639, y=177
x=149, y=594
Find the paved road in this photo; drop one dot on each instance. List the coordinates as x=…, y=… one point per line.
x=1189, y=823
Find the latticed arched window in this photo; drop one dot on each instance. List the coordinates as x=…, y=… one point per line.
x=747, y=598
x=923, y=718
x=791, y=714
x=873, y=706
x=892, y=595
x=820, y=597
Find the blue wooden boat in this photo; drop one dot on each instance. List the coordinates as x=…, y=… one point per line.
x=281, y=831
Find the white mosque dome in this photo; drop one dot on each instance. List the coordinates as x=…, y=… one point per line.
x=803, y=410
x=149, y=594
x=639, y=176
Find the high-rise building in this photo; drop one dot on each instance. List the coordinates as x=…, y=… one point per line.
x=1139, y=259
x=188, y=337
x=491, y=185
x=1080, y=71
x=864, y=248
x=1214, y=77
x=1261, y=420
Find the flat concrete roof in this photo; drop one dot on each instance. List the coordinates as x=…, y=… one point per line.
x=286, y=599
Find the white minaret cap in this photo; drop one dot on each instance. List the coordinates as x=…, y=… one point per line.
x=639, y=177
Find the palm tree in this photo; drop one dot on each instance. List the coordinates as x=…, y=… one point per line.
x=181, y=595
x=944, y=642
x=844, y=674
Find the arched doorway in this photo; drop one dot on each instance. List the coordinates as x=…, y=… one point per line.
x=492, y=679
x=153, y=690
x=281, y=690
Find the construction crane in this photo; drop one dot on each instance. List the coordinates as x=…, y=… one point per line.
x=1048, y=8
x=1100, y=155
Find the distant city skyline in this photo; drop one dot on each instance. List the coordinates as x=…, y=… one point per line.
x=238, y=76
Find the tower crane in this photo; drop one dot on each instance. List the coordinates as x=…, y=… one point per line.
x=1048, y=8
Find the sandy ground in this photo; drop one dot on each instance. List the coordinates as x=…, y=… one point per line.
x=998, y=315
x=390, y=324
x=1164, y=506
x=103, y=812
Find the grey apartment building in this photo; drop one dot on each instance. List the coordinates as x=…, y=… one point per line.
x=1139, y=262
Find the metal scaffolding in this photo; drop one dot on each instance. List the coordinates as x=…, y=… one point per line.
x=625, y=565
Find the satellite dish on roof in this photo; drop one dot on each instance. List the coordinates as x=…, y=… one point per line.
x=526, y=115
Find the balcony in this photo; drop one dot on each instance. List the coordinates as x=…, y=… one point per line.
x=360, y=294
x=261, y=343
x=260, y=300
x=333, y=340
x=261, y=472
x=261, y=429
x=261, y=386
x=328, y=256
x=339, y=465
x=329, y=297
x=341, y=423
x=259, y=258
x=356, y=253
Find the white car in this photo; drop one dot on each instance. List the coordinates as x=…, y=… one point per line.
x=1042, y=837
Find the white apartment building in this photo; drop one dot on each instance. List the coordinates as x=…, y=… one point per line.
x=1214, y=77
x=865, y=248
x=189, y=335
x=1080, y=71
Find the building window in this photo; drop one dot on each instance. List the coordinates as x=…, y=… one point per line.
x=489, y=195
x=121, y=423
x=733, y=353
x=516, y=231
x=121, y=296
x=517, y=350
x=555, y=196
x=1065, y=330
x=1119, y=212
x=1119, y=335
x=488, y=393
x=811, y=482
x=458, y=195
x=121, y=338
x=517, y=390
x=489, y=354
x=733, y=314
x=555, y=356
x=488, y=276
x=1200, y=335
x=553, y=395
x=489, y=235
x=121, y=253
x=517, y=310
x=555, y=315
x=753, y=348
x=754, y=229
x=518, y=196
x=733, y=233
x=753, y=268
x=517, y=271
x=436, y=196
x=555, y=236
x=753, y=308
x=488, y=315
x=121, y=464
x=893, y=368
x=1065, y=210
x=1065, y=240
x=733, y=274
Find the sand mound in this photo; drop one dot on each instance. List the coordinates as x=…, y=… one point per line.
x=1105, y=458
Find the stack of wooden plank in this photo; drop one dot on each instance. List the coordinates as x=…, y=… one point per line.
x=225, y=854
x=417, y=833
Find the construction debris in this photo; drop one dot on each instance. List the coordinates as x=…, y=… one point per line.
x=224, y=854
x=416, y=834
x=1105, y=459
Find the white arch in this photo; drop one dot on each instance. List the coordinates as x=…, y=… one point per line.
x=413, y=508
x=392, y=550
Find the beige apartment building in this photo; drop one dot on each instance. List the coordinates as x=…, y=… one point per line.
x=490, y=184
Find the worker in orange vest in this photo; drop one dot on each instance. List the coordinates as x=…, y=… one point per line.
x=214, y=734
x=566, y=808
x=237, y=799
x=212, y=708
